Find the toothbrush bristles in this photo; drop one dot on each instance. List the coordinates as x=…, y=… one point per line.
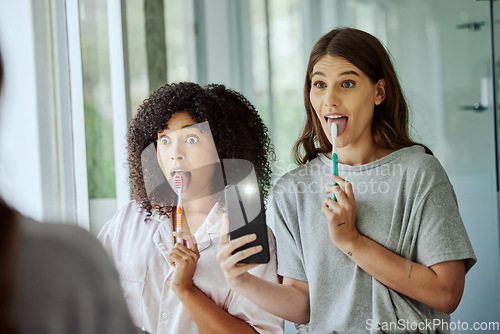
x=178, y=187
x=334, y=137
x=178, y=183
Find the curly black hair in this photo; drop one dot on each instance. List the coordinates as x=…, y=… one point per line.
x=237, y=130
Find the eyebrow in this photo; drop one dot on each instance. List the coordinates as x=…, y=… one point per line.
x=182, y=127
x=341, y=74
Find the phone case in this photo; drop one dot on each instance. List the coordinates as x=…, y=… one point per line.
x=244, y=221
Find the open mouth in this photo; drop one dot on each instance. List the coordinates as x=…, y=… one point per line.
x=185, y=177
x=339, y=120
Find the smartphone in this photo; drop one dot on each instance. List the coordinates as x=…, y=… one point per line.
x=245, y=210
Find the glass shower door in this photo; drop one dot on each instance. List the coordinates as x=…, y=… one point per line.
x=459, y=125
x=443, y=55
x=458, y=122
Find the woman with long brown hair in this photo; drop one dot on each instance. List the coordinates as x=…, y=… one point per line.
x=390, y=254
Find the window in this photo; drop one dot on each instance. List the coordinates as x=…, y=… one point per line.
x=278, y=72
x=157, y=46
x=155, y=51
x=97, y=99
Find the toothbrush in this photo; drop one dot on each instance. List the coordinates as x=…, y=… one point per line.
x=178, y=220
x=335, y=158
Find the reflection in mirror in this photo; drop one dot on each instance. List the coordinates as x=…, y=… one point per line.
x=165, y=241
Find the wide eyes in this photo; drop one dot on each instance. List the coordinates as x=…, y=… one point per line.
x=165, y=140
x=190, y=139
x=319, y=84
x=348, y=84
x=344, y=84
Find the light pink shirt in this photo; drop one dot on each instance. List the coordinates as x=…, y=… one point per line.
x=139, y=250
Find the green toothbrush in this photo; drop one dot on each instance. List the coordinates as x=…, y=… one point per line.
x=335, y=158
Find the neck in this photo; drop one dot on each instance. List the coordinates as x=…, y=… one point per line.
x=201, y=205
x=355, y=155
x=194, y=213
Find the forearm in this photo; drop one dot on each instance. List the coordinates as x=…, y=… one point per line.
x=209, y=317
x=284, y=301
x=437, y=289
x=289, y=300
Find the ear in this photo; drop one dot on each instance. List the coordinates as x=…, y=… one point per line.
x=380, y=92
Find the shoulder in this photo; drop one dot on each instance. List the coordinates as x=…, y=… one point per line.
x=60, y=263
x=131, y=210
x=302, y=174
x=62, y=255
x=131, y=217
x=60, y=243
x=415, y=155
x=415, y=164
x=48, y=233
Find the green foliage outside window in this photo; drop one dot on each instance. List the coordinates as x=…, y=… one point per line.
x=100, y=159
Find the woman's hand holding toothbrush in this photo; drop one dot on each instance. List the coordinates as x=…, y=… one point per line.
x=341, y=214
x=184, y=260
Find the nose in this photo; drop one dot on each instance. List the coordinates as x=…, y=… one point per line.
x=177, y=157
x=177, y=152
x=332, y=99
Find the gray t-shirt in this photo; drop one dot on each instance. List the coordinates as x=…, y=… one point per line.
x=404, y=201
x=66, y=283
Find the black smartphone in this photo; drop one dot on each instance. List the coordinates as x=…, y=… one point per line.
x=245, y=210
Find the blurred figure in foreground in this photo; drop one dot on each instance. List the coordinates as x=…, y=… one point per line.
x=56, y=278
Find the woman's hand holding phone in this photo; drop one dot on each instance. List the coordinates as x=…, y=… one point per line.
x=184, y=260
x=235, y=272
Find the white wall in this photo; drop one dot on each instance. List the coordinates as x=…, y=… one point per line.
x=22, y=110
x=36, y=135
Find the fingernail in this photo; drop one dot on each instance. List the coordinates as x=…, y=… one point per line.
x=253, y=236
x=259, y=248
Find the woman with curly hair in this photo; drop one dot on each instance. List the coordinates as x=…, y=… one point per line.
x=184, y=129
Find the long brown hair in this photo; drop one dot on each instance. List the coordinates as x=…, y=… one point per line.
x=390, y=119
